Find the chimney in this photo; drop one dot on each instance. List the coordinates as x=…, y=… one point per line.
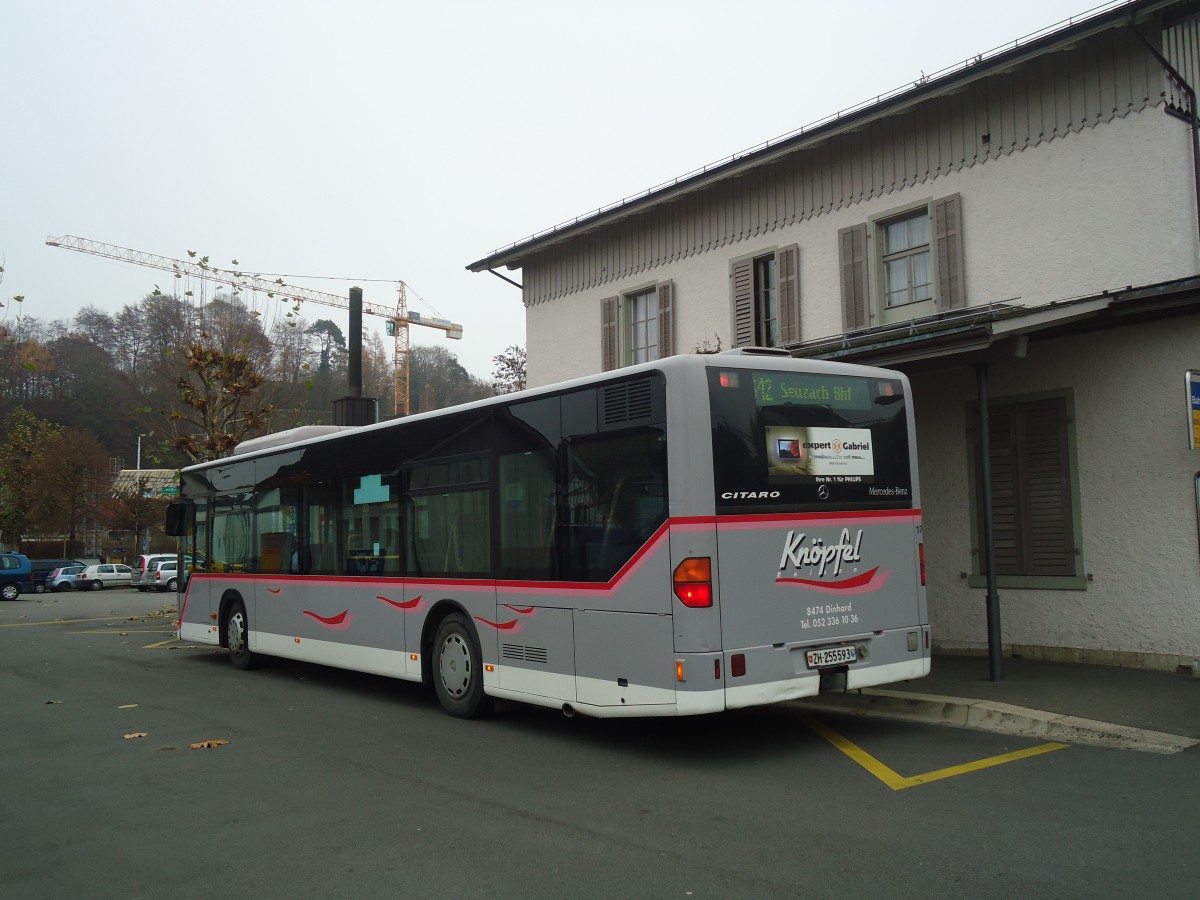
x=354, y=408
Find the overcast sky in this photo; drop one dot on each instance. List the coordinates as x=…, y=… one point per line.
x=404, y=140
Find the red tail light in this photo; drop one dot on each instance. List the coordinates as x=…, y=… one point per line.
x=921, y=552
x=693, y=582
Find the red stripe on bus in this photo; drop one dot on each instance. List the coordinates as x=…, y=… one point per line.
x=595, y=588
x=853, y=582
x=340, y=622
x=859, y=517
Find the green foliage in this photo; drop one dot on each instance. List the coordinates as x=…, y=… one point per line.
x=26, y=438
x=69, y=477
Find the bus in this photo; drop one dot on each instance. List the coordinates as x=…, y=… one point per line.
x=691, y=535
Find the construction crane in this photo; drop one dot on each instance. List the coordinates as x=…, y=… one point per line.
x=396, y=321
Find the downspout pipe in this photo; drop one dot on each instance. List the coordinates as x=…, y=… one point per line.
x=1194, y=117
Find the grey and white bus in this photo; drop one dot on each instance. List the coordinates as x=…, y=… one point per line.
x=696, y=534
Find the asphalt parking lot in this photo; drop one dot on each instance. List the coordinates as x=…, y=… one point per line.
x=138, y=766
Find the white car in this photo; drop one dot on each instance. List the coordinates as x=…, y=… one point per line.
x=105, y=575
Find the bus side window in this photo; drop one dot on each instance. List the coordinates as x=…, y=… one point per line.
x=615, y=499
x=528, y=513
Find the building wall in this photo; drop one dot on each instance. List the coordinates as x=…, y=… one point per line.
x=1139, y=542
x=1073, y=179
x=1097, y=209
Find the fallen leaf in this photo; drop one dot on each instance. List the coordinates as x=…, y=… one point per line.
x=161, y=749
x=128, y=706
x=54, y=701
x=208, y=745
x=136, y=734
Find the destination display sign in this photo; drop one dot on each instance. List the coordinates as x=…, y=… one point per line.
x=779, y=388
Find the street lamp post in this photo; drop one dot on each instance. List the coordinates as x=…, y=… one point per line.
x=138, y=486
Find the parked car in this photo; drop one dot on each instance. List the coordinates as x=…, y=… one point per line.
x=15, y=575
x=143, y=569
x=165, y=576
x=63, y=579
x=43, y=567
x=105, y=575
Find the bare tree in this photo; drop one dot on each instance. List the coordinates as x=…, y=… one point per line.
x=221, y=402
x=508, y=370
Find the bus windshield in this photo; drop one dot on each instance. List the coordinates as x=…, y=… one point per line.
x=805, y=441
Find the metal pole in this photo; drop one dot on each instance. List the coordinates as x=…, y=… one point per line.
x=995, y=647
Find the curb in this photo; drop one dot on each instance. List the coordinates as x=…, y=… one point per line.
x=1002, y=718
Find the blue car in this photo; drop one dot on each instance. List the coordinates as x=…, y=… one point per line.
x=16, y=575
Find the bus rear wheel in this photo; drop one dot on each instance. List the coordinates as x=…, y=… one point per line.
x=458, y=669
x=237, y=637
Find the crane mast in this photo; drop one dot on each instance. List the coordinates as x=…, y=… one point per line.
x=396, y=320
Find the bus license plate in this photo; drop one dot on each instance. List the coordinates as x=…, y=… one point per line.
x=831, y=656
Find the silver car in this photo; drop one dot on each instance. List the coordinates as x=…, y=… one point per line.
x=143, y=569
x=164, y=576
x=63, y=579
x=105, y=575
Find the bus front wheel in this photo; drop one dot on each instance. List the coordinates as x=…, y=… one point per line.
x=458, y=669
x=237, y=637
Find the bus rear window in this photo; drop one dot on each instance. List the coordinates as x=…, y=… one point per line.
x=807, y=441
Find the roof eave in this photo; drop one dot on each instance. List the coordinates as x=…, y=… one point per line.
x=954, y=79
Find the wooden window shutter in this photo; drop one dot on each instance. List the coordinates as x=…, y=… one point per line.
x=947, y=229
x=742, y=279
x=1005, y=502
x=666, y=319
x=856, y=297
x=1047, y=520
x=1031, y=489
x=608, y=334
x=787, y=269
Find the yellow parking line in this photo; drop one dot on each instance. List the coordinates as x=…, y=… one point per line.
x=898, y=782
x=122, y=618
x=128, y=631
x=174, y=642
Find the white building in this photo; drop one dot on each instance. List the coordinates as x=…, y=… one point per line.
x=1023, y=227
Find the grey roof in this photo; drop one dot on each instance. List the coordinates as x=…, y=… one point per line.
x=946, y=81
x=994, y=332
x=127, y=481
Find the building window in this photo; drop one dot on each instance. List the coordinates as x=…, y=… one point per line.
x=766, y=302
x=643, y=326
x=637, y=327
x=907, y=272
x=766, y=299
x=903, y=265
x=1035, y=494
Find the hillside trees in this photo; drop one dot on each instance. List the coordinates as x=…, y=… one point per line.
x=194, y=376
x=69, y=481
x=437, y=380
x=24, y=437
